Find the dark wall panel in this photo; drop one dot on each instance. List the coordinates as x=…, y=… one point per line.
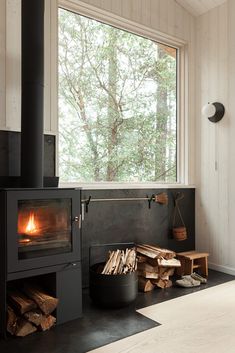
x=10, y=154
x=108, y=222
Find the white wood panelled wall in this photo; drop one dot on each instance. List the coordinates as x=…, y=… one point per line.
x=215, y=208
x=10, y=66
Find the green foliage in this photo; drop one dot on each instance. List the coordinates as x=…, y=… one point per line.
x=117, y=104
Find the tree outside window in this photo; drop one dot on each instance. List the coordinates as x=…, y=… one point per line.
x=117, y=104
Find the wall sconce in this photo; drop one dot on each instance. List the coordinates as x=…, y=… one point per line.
x=213, y=111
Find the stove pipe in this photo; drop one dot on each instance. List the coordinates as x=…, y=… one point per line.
x=32, y=139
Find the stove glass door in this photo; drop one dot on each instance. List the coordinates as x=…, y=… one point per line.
x=44, y=227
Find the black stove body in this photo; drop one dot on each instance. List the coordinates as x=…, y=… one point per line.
x=41, y=240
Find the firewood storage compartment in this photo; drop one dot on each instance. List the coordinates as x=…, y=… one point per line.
x=111, y=291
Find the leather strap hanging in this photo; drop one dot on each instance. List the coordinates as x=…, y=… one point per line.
x=179, y=232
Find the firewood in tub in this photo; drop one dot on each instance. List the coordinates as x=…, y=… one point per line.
x=130, y=261
x=20, y=301
x=46, y=302
x=145, y=285
x=108, y=262
x=120, y=262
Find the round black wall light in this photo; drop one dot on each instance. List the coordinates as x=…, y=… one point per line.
x=213, y=111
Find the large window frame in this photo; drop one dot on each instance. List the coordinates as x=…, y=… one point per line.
x=182, y=146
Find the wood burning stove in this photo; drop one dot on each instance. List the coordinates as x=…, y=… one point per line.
x=40, y=235
x=42, y=227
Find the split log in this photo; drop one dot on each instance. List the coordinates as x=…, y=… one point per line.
x=11, y=320
x=153, y=262
x=131, y=259
x=47, y=322
x=147, y=251
x=145, y=285
x=45, y=302
x=141, y=258
x=162, y=283
x=166, y=271
x=35, y=317
x=147, y=267
x=168, y=263
x=24, y=328
x=107, y=266
x=165, y=253
x=148, y=275
x=20, y=301
x=120, y=262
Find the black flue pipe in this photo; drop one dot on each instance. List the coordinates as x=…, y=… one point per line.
x=32, y=153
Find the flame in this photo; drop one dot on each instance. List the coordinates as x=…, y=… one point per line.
x=31, y=227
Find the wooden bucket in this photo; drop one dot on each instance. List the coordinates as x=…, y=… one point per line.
x=179, y=233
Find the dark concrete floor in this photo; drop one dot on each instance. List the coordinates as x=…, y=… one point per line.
x=99, y=327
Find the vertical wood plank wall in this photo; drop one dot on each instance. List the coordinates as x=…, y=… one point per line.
x=10, y=66
x=215, y=162
x=2, y=63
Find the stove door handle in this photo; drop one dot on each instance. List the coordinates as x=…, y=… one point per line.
x=78, y=219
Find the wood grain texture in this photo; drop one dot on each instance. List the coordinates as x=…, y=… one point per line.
x=215, y=201
x=13, y=64
x=10, y=66
x=2, y=63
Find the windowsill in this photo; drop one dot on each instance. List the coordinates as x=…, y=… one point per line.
x=113, y=186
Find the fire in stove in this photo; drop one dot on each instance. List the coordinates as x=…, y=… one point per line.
x=31, y=227
x=44, y=225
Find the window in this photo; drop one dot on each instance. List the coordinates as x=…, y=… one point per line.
x=117, y=104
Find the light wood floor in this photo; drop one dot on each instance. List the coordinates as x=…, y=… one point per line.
x=202, y=322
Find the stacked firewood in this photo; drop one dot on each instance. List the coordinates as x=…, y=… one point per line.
x=155, y=266
x=120, y=262
x=29, y=310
